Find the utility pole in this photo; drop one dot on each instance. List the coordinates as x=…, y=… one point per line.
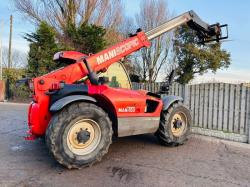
x=1, y=50
x=10, y=45
x=9, y=60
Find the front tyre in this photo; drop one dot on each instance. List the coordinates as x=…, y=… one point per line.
x=175, y=124
x=79, y=135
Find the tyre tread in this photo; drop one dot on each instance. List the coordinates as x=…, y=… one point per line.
x=54, y=128
x=163, y=134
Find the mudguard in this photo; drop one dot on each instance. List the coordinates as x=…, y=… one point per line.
x=58, y=105
x=168, y=100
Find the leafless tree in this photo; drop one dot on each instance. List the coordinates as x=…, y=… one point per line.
x=59, y=13
x=150, y=61
x=19, y=58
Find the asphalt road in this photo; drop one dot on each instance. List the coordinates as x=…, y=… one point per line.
x=131, y=161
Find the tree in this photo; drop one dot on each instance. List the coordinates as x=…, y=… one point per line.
x=59, y=14
x=86, y=38
x=43, y=45
x=16, y=71
x=194, y=58
x=42, y=48
x=150, y=61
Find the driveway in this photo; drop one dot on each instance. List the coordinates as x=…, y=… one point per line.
x=131, y=161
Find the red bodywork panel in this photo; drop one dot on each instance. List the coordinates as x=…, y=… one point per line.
x=71, y=55
x=126, y=103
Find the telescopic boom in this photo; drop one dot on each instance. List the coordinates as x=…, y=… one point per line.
x=205, y=31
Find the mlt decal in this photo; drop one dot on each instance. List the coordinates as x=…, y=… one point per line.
x=127, y=109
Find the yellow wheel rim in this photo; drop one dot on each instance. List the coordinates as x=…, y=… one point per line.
x=178, y=124
x=92, y=137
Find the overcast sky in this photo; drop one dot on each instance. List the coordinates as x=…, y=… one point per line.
x=235, y=13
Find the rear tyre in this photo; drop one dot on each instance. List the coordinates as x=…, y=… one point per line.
x=174, y=125
x=79, y=135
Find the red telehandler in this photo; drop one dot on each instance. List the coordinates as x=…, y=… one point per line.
x=78, y=113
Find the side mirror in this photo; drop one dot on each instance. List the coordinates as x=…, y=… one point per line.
x=171, y=77
x=164, y=89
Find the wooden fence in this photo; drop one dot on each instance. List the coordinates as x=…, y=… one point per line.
x=218, y=109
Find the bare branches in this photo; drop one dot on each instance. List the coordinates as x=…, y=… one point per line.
x=59, y=13
x=19, y=58
x=152, y=14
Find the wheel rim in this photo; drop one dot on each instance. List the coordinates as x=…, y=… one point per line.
x=83, y=137
x=178, y=124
